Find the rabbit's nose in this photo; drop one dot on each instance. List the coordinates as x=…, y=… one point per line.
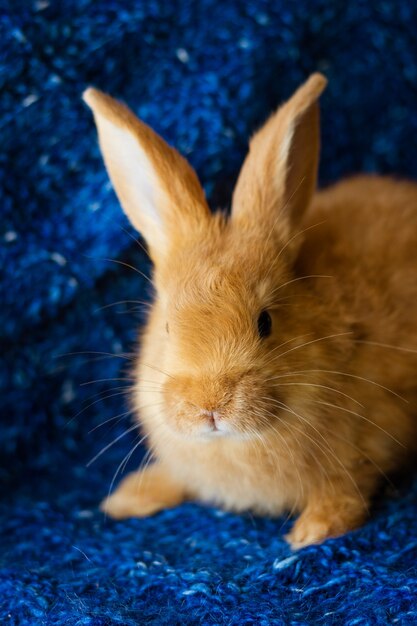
x=213, y=416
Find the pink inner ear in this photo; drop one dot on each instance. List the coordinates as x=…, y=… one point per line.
x=157, y=188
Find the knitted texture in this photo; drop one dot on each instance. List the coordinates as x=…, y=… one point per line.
x=205, y=75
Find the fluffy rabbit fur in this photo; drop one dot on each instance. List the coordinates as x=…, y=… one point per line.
x=277, y=371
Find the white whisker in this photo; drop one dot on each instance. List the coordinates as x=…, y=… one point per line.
x=103, y=450
x=341, y=393
x=341, y=408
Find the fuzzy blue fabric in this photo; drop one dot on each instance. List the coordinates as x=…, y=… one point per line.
x=205, y=75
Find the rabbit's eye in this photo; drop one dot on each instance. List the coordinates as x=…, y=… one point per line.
x=264, y=324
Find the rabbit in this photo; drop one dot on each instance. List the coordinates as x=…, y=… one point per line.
x=277, y=370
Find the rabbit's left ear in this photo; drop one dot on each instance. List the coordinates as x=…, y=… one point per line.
x=279, y=175
x=157, y=188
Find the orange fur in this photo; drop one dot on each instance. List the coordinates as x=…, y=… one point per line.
x=309, y=419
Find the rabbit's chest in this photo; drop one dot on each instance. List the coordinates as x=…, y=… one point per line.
x=235, y=478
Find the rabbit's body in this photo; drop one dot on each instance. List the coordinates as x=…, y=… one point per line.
x=367, y=240
x=278, y=368
x=361, y=253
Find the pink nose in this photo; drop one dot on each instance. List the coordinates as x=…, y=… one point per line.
x=213, y=416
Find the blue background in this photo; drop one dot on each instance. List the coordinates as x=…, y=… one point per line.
x=205, y=75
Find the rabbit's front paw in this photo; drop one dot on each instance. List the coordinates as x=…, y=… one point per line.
x=142, y=494
x=325, y=520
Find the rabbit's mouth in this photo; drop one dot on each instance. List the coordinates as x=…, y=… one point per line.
x=210, y=408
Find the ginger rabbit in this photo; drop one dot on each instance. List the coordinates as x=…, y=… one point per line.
x=280, y=351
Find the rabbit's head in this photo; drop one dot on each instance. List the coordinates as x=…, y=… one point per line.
x=219, y=330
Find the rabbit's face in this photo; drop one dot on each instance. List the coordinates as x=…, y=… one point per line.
x=220, y=324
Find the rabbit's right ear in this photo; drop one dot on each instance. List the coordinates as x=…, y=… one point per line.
x=157, y=188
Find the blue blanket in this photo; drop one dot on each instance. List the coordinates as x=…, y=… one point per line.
x=205, y=75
